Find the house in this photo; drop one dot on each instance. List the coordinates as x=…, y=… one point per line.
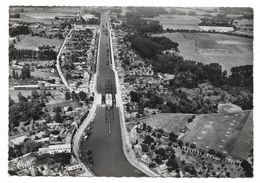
x=42, y=140
x=18, y=140
x=74, y=167
x=55, y=149
x=163, y=167
x=26, y=87
x=53, y=125
x=146, y=159
x=138, y=149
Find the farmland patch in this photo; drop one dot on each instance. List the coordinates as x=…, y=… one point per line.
x=227, y=50
x=175, y=22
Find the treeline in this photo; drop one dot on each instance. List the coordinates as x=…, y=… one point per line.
x=44, y=53
x=195, y=72
x=93, y=21
x=190, y=73
x=117, y=10
x=135, y=24
x=19, y=30
x=219, y=20
x=209, y=31
x=14, y=15
x=148, y=46
x=236, y=10
x=146, y=11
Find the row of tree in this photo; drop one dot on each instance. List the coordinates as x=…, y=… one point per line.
x=19, y=30
x=43, y=53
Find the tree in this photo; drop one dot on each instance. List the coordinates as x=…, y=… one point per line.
x=34, y=94
x=70, y=108
x=161, y=152
x=82, y=95
x=180, y=143
x=21, y=98
x=172, y=163
x=192, y=146
x=35, y=110
x=152, y=165
x=43, y=94
x=67, y=95
x=25, y=74
x=135, y=97
x=148, y=139
x=212, y=152
x=145, y=147
x=58, y=118
x=173, y=137
x=14, y=75
x=29, y=146
x=11, y=101
x=159, y=135
x=57, y=109
x=156, y=100
x=247, y=168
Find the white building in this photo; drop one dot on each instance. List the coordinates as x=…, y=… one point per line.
x=74, y=167
x=54, y=149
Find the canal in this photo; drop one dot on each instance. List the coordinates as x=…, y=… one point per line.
x=108, y=156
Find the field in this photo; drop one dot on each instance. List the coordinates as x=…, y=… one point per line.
x=227, y=50
x=223, y=132
x=168, y=122
x=33, y=42
x=44, y=15
x=172, y=21
x=198, y=11
x=230, y=133
x=25, y=18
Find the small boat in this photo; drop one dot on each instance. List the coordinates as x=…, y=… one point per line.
x=85, y=137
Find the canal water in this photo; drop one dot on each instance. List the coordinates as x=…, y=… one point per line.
x=107, y=150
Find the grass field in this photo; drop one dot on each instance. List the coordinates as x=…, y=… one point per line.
x=168, y=122
x=44, y=15
x=172, y=21
x=47, y=15
x=33, y=42
x=25, y=18
x=198, y=11
x=227, y=50
x=230, y=133
x=222, y=132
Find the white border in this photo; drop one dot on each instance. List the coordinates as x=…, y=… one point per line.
x=174, y=3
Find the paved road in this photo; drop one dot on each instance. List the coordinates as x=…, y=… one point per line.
x=58, y=63
x=108, y=155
